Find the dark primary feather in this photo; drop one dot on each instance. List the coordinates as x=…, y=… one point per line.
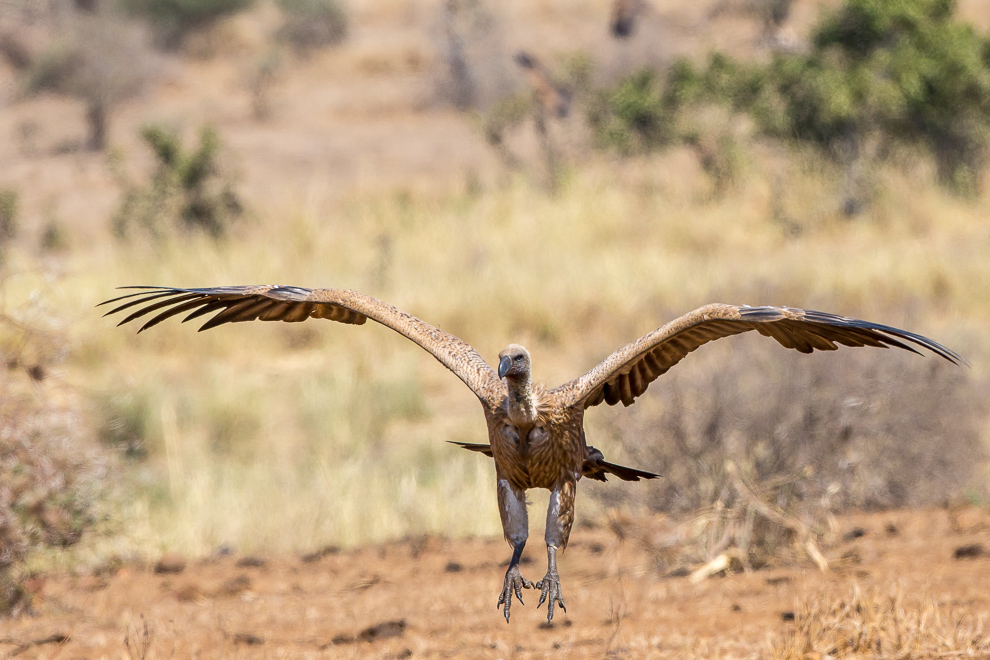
x=233, y=304
x=627, y=373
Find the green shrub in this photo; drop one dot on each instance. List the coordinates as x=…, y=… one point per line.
x=904, y=70
x=8, y=215
x=879, y=72
x=646, y=112
x=632, y=118
x=188, y=190
x=54, y=237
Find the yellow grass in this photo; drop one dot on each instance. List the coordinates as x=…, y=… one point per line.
x=877, y=623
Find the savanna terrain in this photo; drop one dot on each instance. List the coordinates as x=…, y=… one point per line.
x=903, y=586
x=300, y=472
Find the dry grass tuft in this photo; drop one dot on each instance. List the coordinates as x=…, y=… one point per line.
x=54, y=478
x=880, y=624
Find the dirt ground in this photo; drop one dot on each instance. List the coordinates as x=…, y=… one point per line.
x=431, y=597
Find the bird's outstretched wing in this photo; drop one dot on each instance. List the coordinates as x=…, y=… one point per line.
x=626, y=374
x=232, y=304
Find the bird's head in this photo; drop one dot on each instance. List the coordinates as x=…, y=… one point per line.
x=514, y=362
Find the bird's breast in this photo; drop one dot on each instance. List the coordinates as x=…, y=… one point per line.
x=512, y=437
x=526, y=442
x=529, y=457
x=537, y=438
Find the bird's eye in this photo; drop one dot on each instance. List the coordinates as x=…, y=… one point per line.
x=517, y=358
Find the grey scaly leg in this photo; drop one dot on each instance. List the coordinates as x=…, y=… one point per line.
x=558, y=528
x=515, y=524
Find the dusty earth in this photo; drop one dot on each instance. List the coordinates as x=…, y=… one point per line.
x=431, y=597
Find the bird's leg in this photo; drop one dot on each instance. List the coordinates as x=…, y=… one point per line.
x=514, y=581
x=515, y=524
x=560, y=517
x=549, y=586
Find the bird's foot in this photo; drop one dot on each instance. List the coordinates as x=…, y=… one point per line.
x=550, y=588
x=514, y=583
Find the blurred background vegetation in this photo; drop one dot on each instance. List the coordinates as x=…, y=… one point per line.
x=828, y=155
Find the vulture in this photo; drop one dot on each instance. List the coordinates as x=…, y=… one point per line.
x=536, y=435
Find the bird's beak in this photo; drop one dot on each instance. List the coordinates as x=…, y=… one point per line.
x=503, y=366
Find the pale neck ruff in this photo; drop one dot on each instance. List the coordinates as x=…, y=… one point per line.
x=521, y=408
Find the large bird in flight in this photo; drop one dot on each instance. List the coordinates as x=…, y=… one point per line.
x=536, y=435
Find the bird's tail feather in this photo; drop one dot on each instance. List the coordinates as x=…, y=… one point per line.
x=482, y=449
x=593, y=468
x=622, y=472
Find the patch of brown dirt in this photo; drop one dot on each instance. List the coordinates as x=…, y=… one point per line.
x=403, y=600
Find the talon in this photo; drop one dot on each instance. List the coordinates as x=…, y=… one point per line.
x=514, y=583
x=550, y=592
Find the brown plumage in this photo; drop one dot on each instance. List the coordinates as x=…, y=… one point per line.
x=594, y=467
x=536, y=436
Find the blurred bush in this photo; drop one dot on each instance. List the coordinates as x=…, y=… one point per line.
x=503, y=117
x=99, y=58
x=260, y=80
x=686, y=106
x=546, y=106
x=635, y=117
x=905, y=70
x=173, y=19
x=8, y=218
x=880, y=73
x=311, y=24
x=125, y=421
x=55, y=478
x=189, y=189
x=54, y=237
x=474, y=65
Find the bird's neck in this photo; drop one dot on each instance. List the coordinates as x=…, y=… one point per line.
x=521, y=408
